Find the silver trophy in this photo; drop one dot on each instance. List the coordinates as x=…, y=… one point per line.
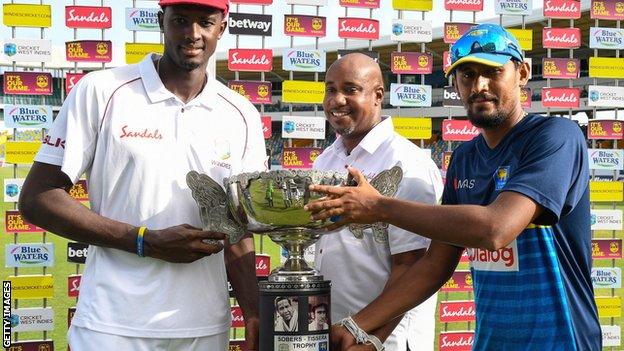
x=272, y=203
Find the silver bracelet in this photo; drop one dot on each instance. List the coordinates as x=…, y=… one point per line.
x=361, y=337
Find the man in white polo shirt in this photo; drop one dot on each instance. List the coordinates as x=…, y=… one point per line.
x=360, y=268
x=152, y=280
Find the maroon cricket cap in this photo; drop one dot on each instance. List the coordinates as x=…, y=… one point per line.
x=219, y=4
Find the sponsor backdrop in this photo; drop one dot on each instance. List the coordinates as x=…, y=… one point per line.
x=37, y=263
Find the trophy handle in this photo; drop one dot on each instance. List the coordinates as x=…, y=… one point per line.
x=214, y=210
x=387, y=183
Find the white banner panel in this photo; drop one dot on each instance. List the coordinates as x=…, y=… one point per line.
x=26, y=50
x=611, y=335
x=606, y=277
x=307, y=2
x=417, y=31
x=303, y=60
x=606, y=219
x=32, y=319
x=609, y=159
x=12, y=189
x=29, y=255
x=513, y=7
x=410, y=95
x=28, y=116
x=142, y=19
x=605, y=96
x=300, y=127
x=606, y=38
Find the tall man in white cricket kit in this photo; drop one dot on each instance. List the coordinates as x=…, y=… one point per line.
x=360, y=268
x=151, y=280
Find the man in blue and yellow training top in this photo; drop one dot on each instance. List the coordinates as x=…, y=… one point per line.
x=516, y=197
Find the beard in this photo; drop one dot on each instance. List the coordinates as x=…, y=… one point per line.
x=345, y=131
x=483, y=119
x=487, y=121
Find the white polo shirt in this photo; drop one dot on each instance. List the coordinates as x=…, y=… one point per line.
x=360, y=268
x=136, y=141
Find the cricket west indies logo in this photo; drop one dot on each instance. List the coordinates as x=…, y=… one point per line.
x=358, y=28
x=88, y=17
x=561, y=38
x=252, y=60
x=562, y=9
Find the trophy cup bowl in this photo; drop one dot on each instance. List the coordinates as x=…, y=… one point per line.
x=268, y=203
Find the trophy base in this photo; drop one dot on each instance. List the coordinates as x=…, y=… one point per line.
x=294, y=312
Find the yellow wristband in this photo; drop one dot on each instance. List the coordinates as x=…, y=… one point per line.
x=139, y=241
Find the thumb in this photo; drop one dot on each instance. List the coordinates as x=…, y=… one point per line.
x=357, y=175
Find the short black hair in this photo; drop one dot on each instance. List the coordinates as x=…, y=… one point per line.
x=322, y=304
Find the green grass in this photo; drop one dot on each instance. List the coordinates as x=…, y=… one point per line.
x=60, y=302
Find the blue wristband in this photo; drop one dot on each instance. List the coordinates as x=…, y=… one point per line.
x=139, y=241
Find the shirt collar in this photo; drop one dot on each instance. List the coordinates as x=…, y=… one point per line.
x=375, y=137
x=156, y=90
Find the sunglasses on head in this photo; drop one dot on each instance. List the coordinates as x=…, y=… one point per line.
x=489, y=43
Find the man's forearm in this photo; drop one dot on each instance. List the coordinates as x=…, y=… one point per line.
x=241, y=269
x=57, y=212
x=490, y=227
x=417, y=284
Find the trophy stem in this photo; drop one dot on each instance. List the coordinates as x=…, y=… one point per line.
x=295, y=263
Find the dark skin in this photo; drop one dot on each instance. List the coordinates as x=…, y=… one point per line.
x=487, y=93
x=352, y=104
x=191, y=34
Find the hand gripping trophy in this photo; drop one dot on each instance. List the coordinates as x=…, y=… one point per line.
x=295, y=300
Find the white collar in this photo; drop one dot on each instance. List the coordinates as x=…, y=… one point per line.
x=372, y=140
x=156, y=90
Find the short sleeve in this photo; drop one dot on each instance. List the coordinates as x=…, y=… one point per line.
x=422, y=185
x=552, y=169
x=449, y=195
x=71, y=141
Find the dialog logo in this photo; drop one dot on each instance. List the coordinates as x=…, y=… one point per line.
x=501, y=260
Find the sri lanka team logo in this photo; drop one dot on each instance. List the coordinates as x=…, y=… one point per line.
x=500, y=177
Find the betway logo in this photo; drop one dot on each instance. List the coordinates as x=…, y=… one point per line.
x=249, y=24
x=362, y=28
x=501, y=260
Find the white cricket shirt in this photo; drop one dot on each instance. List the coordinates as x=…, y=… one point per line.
x=360, y=268
x=136, y=141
